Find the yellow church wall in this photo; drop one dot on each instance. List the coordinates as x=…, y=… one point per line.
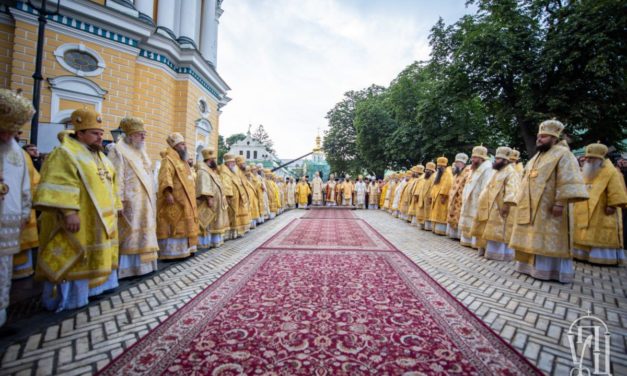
x=65, y=104
x=153, y=102
x=168, y=105
x=6, y=54
x=117, y=78
x=194, y=94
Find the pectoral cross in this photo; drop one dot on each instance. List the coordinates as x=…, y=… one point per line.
x=4, y=189
x=103, y=174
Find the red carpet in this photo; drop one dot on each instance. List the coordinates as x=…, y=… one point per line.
x=329, y=234
x=329, y=214
x=322, y=312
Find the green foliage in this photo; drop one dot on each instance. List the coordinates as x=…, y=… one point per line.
x=233, y=139
x=491, y=79
x=222, y=148
x=261, y=135
x=340, y=141
x=373, y=123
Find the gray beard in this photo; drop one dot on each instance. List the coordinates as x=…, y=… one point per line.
x=182, y=154
x=590, y=170
x=136, y=145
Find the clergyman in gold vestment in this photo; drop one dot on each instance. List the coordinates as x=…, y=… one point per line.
x=177, y=216
x=439, y=196
x=15, y=193
x=542, y=232
x=213, y=216
x=494, y=220
x=237, y=197
x=461, y=172
x=598, y=222
x=78, y=198
x=137, y=223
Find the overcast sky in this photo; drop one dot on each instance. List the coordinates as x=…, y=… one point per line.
x=289, y=61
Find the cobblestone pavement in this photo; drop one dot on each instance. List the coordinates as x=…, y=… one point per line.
x=533, y=316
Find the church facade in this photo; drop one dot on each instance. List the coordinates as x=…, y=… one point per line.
x=154, y=59
x=251, y=149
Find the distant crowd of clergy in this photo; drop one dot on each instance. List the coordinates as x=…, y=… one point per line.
x=87, y=219
x=544, y=215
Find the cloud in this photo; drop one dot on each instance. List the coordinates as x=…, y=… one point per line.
x=289, y=61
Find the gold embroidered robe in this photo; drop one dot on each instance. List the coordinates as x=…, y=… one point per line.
x=455, y=197
x=398, y=190
x=273, y=205
x=179, y=220
x=281, y=194
x=415, y=195
x=291, y=194
x=212, y=219
x=424, y=195
x=75, y=179
x=29, y=238
x=137, y=225
x=316, y=189
x=302, y=192
x=439, y=209
x=476, y=183
x=373, y=194
x=347, y=190
x=237, y=197
x=255, y=180
x=406, y=196
x=384, y=191
x=594, y=228
x=252, y=195
x=262, y=196
x=330, y=191
x=502, y=189
x=549, y=178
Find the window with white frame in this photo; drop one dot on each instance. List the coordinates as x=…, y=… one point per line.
x=79, y=59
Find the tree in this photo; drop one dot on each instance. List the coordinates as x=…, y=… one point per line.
x=536, y=59
x=260, y=135
x=222, y=149
x=233, y=139
x=339, y=141
x=583, y=68
x=373, y=124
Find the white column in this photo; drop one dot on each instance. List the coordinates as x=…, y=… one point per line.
x=187, y=22
x=214, y=46
x=165, y=14
x=207, y=38
x=146, y=7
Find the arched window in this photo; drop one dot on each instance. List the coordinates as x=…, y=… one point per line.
x=199, y=152
x=79, y=59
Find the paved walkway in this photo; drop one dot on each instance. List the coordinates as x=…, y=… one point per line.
x=532, y=315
